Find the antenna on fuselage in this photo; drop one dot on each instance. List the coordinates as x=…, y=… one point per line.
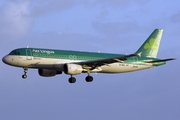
x=27, y=46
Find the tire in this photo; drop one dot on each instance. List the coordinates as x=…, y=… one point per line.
x=89, y=79
x=72, y=80
x=24, y=76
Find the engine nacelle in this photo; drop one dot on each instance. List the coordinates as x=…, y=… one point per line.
x=72, y=69
x=48, y=72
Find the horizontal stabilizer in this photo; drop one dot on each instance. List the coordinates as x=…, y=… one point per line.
x=164, y=60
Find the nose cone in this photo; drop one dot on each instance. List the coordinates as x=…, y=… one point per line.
x=4, y=59
x=7, y=60
x=10, y=60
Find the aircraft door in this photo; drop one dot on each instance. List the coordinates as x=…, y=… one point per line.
x=28, y=54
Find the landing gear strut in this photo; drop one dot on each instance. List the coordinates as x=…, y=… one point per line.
x=24, y=76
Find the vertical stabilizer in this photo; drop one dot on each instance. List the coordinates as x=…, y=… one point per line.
x=151, y=46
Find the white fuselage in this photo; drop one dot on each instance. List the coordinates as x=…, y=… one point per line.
x=57, y=64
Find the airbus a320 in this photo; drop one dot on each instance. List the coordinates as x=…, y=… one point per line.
x=51, y=62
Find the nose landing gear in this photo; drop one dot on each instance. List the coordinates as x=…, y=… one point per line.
x=24, y=76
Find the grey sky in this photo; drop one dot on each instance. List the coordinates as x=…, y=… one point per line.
x=115, y=26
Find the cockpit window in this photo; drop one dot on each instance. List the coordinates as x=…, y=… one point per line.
x=14, y=53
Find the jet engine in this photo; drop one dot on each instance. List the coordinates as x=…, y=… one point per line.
x=72, y=69
x=48, y=72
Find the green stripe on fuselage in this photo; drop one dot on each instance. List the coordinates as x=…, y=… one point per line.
x=63, y=54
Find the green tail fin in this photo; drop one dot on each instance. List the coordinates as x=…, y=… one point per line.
x=151, y=46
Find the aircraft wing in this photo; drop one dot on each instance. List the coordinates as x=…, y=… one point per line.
x=96, y=63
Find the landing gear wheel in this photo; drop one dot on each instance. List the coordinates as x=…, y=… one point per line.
x=89, y=79
x=72, y=80
x=24, y=76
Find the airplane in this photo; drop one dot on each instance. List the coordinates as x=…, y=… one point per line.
x=51, y=62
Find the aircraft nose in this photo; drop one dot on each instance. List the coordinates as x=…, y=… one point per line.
x=5, y=59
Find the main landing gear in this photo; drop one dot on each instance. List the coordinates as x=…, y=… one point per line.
x=73, y=79
x=88, y=78
x=24, y=76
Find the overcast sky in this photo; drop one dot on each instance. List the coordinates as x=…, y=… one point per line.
x=113, y=26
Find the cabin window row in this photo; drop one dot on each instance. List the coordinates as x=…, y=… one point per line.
x=63, y=56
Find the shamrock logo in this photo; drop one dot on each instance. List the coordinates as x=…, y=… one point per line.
x=151, y=45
